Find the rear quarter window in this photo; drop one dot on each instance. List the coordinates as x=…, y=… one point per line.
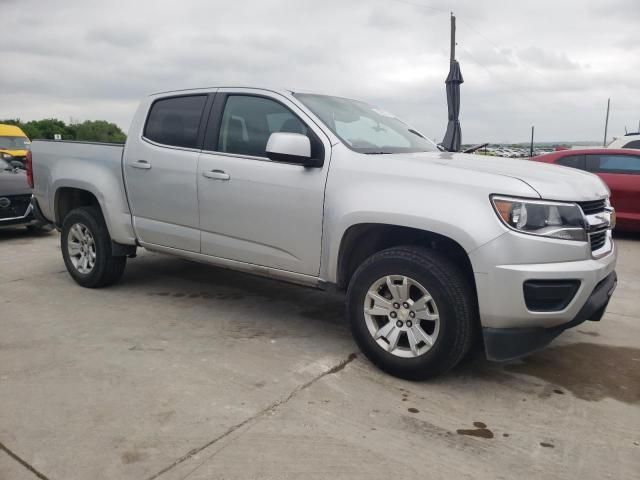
x=175, y=121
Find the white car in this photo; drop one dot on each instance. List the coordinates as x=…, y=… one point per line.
x=629, y=140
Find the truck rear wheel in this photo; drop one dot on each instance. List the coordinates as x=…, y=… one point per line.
x=86, y=249
x=411, y=312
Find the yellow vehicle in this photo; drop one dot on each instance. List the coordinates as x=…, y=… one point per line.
x=14, y=144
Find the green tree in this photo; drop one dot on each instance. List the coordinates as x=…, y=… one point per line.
x=99, y=131
x=88, y=131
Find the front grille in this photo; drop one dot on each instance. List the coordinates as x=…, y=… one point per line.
x=592, y=206
x=17, y=207
x=597, y=239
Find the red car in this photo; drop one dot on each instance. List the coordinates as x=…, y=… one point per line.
x=618, y=168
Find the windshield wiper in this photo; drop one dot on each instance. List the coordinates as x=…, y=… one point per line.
x=416, y=133
x=378, y=153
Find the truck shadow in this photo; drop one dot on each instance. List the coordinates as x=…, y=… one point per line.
x=20, y=232
x=589, y=371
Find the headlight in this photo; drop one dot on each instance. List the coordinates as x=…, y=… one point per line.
x=6, y=156
x=540, y=217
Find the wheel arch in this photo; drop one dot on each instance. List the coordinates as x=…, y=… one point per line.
x=362, y=240
x=69, y=198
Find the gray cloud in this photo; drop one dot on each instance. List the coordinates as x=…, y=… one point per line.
x=548, y=63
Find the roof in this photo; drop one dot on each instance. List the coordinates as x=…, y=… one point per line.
x=10, y=131
x=591, y=151
x=213, y=87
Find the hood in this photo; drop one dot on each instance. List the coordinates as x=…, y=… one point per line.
x=14, y=183
x=552, y=182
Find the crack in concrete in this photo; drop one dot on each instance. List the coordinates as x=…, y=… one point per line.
x=271, y=408
x=22, y=462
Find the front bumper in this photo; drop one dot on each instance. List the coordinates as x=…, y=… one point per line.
x=501, y=268
x=509, y=343
x=31, y=216
x=26, y=218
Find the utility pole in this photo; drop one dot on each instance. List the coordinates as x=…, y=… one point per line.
x=531, y=146
x=606, y=123
x=453, y=38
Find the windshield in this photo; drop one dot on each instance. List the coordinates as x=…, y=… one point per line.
x=364, y=128
x=14, y=143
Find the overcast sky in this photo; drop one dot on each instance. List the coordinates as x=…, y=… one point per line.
x=551, y=64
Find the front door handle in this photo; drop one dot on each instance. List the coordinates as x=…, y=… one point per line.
x=216, y=175
x=142, y=164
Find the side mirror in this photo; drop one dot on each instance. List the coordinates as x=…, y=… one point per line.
x=291, y=148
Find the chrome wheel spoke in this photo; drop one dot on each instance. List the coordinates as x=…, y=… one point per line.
x=74, y=249
x=403, y=289
x=393, y=337
x=413, y=341
x=421, y=336
x=81, y=248
x=394, y=290
x=384, y=331
x=421, y=307
x=381, y=306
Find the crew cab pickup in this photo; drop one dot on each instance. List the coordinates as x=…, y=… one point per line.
x=435, y=250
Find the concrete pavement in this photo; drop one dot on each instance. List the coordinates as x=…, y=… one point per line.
x=188, y=371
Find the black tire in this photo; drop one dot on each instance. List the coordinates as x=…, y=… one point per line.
x=452, y=293
x=107, y=269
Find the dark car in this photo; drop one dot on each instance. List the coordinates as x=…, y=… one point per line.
x=15, y=199
x=618, y=168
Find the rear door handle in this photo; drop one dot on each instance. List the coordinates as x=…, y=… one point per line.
x=143, y=164
x=216, y=175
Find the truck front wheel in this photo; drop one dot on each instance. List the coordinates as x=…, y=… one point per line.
x=411, y=311
x=86, y=249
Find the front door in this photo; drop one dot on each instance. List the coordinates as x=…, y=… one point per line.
x=160, y=174
x=252, y=209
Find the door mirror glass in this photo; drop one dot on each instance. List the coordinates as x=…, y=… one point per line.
x=291, y=148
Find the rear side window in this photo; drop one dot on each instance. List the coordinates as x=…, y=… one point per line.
x=175, y=121
x=633, y=144
x=614, y=163
x=575, y=161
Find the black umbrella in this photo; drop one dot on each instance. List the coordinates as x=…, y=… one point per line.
x=453, y=137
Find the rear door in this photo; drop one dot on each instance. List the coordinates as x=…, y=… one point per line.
x=160, y=172
x=621, y=173
x=252, y=209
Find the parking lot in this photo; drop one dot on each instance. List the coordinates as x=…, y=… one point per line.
x=188, y=371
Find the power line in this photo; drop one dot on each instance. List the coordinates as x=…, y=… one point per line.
x=497, y=48
x=426, y=7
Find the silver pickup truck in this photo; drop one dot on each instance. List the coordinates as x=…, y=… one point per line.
x=435, y=250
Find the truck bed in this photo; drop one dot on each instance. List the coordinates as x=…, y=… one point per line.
x=91, y=166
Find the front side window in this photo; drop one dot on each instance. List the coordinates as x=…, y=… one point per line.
x=364, y=128
x=633, y=144
x=248, y=121
x=614, y=163
x=574, y=161
x=175, y=121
